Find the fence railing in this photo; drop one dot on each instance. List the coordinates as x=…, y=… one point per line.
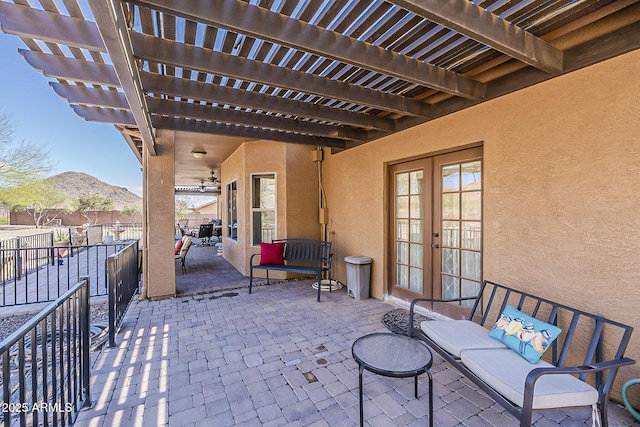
x=123, y=273
x=42, y=274
x=45, y=363
x=11, y=264
x=31, y=241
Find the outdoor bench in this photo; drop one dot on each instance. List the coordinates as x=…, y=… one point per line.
x=505, y=326
x=305, y=256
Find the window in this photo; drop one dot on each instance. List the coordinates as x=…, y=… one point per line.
x=232, y=210
x=263, y=208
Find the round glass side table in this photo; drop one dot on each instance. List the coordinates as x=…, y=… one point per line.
x=393, y=355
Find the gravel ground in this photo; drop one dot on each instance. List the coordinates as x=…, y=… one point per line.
x=9, y=324
x=11, y=231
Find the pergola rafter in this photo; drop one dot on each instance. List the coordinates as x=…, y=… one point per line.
x=246, y=132
x=190, y=89
x=91, y=96
x=26, y=22
x=232, y=116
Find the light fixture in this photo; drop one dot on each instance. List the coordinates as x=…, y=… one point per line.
x=198, y=154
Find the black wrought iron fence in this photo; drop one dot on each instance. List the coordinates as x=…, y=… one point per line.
x=45, y=364
x=30, y=241
x=42, y=274
x=123, y=273
x=29, y=252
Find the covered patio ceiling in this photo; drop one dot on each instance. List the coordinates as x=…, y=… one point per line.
x=325, y=73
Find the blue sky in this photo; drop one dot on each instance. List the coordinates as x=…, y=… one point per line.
x=44, y=118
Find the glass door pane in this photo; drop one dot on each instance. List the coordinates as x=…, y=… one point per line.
x=409, y=227
x=460, y=219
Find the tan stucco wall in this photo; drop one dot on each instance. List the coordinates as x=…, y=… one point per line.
x=233, y=169
x=210, y=209
x=297, y=196
x=302, y=198
x=561, y=168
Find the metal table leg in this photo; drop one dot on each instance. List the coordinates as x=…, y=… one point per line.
x=361, y=369
x=430, y=398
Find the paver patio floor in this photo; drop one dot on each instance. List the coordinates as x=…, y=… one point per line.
x=273, y=358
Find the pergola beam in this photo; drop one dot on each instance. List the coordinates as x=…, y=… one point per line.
x=78, y=70
x=263, y=24
x=115, y=35
x=208, y=61
x=52, y=27
x=162, y=107
x=91, y=96
x=189, y=89
x=481, y=25
x=248, y=133
x=104, y=115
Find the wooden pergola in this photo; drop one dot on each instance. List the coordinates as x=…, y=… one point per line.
x=325, y=73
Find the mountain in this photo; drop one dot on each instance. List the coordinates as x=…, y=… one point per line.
x=77, y=184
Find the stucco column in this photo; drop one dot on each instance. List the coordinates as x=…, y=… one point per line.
x=159, y=221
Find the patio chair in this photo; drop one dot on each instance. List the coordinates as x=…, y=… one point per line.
x=182, y=255
x=179, y=232
x=205, y=233
x=217, y=228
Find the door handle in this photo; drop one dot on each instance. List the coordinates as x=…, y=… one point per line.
x=435, y=245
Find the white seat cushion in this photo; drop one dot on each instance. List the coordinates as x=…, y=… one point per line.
x=506, y=372
x=455, y=336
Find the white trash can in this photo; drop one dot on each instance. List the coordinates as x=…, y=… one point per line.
x=358, y=276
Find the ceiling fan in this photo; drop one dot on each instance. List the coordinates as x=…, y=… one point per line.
x=213, y=179
x=203, y=188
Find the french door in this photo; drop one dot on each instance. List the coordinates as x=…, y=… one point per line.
x=436, y=228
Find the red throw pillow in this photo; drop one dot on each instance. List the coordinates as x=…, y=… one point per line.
x=178, y=246
x=271, y=253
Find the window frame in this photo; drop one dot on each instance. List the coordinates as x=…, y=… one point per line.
x=232, y=209
x=253, y=209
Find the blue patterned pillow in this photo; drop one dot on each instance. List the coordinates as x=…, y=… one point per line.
x=526, y=335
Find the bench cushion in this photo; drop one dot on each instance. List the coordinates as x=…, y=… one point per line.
x=271, y=253
x=456, y=336
x=506, y=372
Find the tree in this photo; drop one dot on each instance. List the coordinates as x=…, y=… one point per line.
x=22, y=162
x=89, y=206
x=37, y=199
x=182, y=210
x=131, y=210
